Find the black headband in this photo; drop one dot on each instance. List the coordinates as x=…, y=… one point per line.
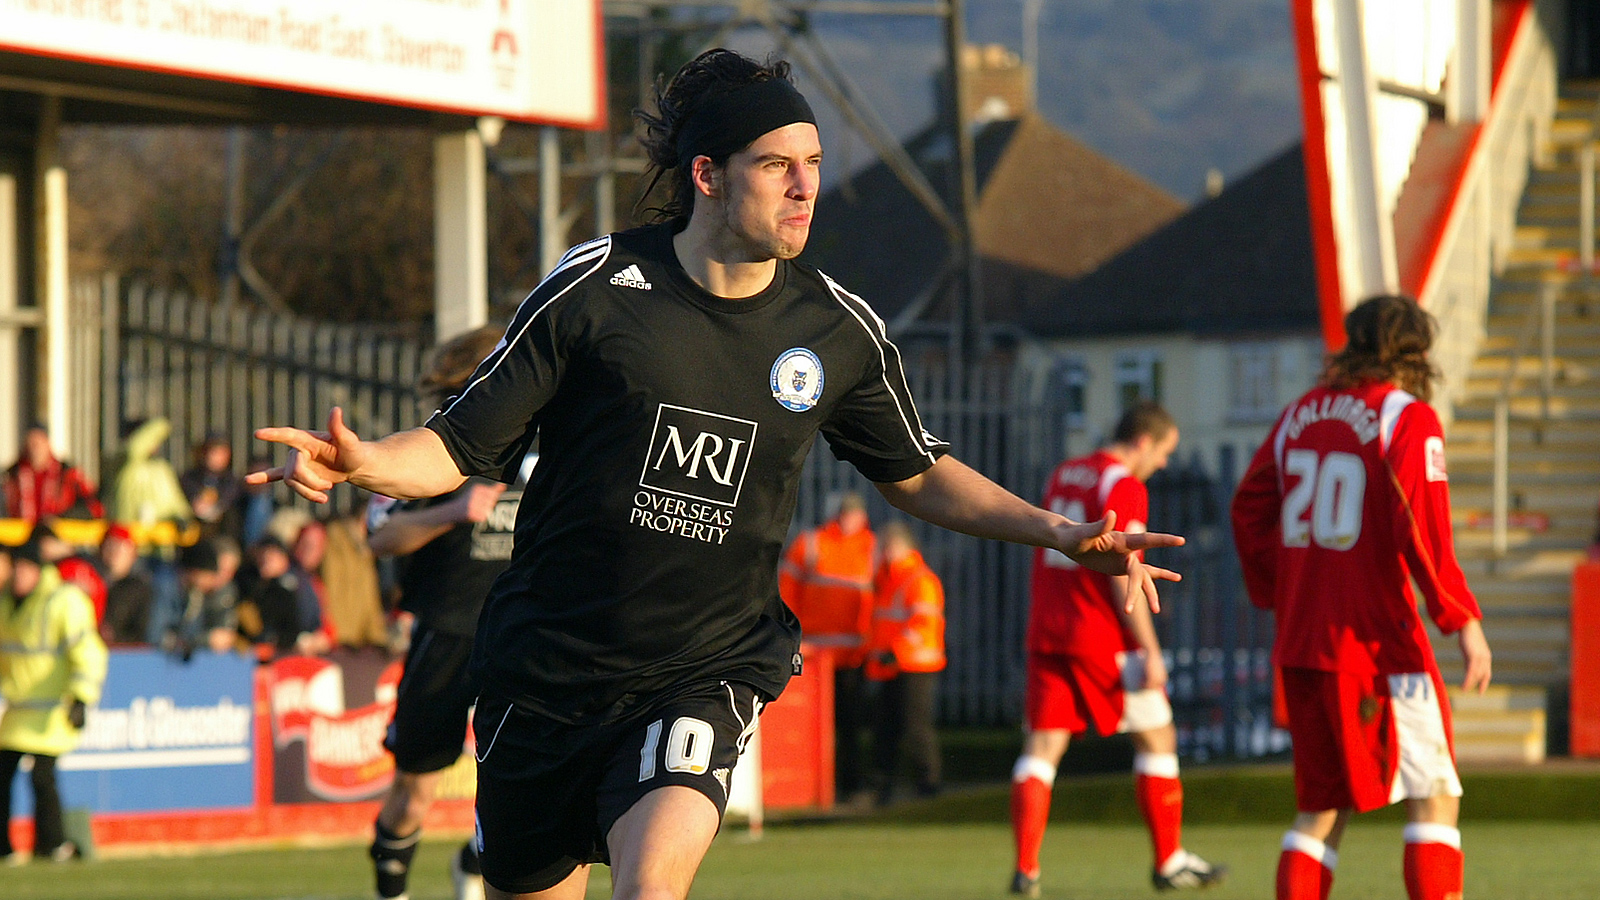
x=723, y=124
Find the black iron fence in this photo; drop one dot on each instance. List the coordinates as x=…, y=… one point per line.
x=206, y=368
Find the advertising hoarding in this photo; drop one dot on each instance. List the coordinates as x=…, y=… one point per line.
x=526, y=60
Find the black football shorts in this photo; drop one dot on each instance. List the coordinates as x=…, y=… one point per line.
x=435, y=696
x=549, y=792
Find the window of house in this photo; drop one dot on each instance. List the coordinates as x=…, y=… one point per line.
x=1138, y=378
x=1069, y=380
x=1252, y=383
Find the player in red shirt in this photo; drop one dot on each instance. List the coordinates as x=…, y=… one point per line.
x=1095, y=662
x=1344, y=505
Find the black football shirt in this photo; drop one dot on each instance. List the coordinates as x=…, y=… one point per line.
x=673, y=425
x=444, y=582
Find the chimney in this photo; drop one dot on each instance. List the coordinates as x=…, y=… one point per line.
x=998, y=84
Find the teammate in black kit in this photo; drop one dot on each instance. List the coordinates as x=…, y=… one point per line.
x=457, y=544
x=677, y=376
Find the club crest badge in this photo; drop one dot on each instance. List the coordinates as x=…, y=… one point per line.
x=797, y=379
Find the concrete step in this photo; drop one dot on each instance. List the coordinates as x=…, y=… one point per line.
x=1524, y=593
x=1570, y=383
x=1505, y=736
x=1533, y=459
x=1584, y=408
x=1571, y=375
x=1573, y=478
x=1479, y=429
x=1572, y=332
x=1535, y=672
x=1477, y=493
x=1480, y=540
x=1505, y=723
x=1537, y=255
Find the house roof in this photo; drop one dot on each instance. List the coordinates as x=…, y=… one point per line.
x=1049, y=209
x=1239, y=262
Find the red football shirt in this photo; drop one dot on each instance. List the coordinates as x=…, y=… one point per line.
x=1073, y=609
x=1344, y=505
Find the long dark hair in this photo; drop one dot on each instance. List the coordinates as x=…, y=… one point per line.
x=1388, y=338
x=715, y=70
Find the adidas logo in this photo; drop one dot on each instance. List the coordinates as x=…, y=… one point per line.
x=721, y=775
x=631, y=277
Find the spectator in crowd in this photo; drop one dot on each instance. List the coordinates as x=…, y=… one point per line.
x=41, y=486
x=212, y=489
x=307, y=551
x=350, y=580
x=145, y=490
x=270, y=612
x=129, y=590
x=254, y=504
x=74, y=567
x=905, y=654
x=826, y=578
x=208, y=616
x=55, y=665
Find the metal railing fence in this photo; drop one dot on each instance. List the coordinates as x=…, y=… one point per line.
x=209, y=368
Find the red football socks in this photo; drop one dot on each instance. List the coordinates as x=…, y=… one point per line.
x=1305, y=868
x=1160, y=795
x=1030, y=810
x=1433, y=862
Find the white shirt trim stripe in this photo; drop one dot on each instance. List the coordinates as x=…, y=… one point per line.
x=595, y=251
x=1393, y=405
x=880, y=339
x=1108, y=481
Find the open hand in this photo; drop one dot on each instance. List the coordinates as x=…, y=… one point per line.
x=1095, y=545
x=318, y=460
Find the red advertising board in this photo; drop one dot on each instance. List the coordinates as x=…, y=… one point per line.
x=797, y=739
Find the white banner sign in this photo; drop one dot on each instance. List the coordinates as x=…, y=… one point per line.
x=529, y=60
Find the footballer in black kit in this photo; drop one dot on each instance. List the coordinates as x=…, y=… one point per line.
x=673, y=426
x=451, y=548
x=676, y=375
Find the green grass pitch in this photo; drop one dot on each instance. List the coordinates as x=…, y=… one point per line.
x=1530, y=833
x=879, y=861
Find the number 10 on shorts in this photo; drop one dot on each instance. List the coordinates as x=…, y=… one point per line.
x=688, y=747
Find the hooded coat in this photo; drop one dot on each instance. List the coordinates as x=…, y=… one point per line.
x=50, y=654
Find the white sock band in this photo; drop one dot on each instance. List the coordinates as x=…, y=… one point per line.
x=1033, y=767
x=1433, y=833
x=1158, y=765
x=1299, y=842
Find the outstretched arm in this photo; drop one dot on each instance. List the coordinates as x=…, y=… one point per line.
x=953, y=496
x=405, y=465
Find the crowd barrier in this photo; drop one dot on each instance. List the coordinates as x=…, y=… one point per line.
x=220, y=750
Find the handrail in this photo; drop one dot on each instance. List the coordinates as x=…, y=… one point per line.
x=1541, y=318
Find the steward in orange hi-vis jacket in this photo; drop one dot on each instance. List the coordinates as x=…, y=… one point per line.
x=907, y=618
x=906, y=653
x=826, y=578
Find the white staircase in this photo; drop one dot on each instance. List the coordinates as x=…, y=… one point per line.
x=1553, y=473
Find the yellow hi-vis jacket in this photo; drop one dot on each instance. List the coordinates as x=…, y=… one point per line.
x=50, y=653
